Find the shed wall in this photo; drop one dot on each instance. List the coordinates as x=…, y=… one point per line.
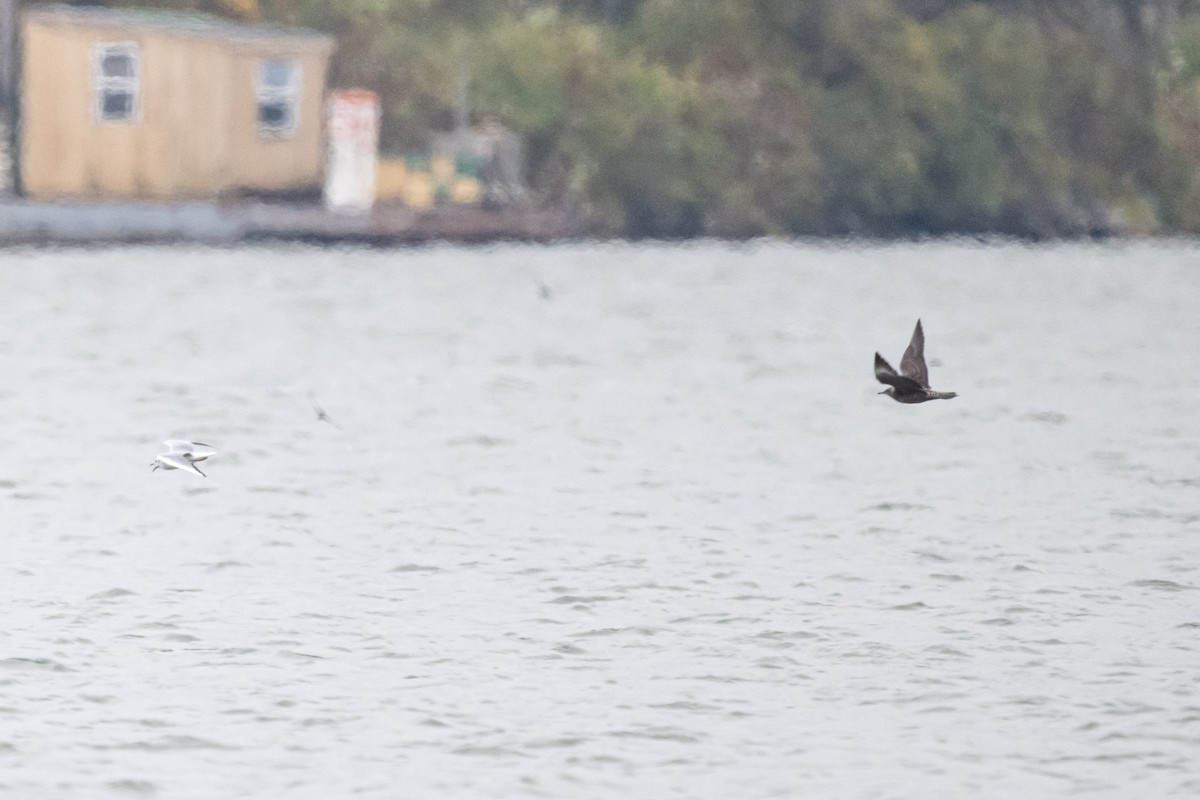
x=267, y=162
x=197, y=135
x=176, y=148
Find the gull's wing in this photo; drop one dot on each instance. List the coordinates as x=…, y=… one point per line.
x=179, y=461
x=912, y=365
x=184, y=444
x=196, y=451
x=885, y=374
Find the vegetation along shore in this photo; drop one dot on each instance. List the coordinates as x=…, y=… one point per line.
x=739, y=118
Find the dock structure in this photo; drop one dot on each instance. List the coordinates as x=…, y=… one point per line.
x=24, y=222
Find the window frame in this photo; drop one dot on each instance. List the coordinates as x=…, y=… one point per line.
x=288, y=94
x=103, y=84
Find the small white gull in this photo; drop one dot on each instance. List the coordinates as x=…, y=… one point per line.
x=182, y=454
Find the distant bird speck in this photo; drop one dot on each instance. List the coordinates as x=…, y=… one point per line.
x=911, y=385
x=182, y=454
x=321, y=415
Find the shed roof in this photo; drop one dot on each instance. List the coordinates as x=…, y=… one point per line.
x=181, y=22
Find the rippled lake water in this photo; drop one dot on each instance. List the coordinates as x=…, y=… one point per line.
x=654, y=535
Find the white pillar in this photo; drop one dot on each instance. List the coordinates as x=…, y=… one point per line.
x=353, y=150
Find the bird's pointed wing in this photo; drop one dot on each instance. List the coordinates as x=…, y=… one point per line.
x=195, y=451
x=912, y=365
x=179, y=461
x=184, y=445
x=885, y=374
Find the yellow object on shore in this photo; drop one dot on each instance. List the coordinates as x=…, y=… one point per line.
x=465, y=190
x=422, y=189
x=442, y=168
x=395, y=181
x=390, y=176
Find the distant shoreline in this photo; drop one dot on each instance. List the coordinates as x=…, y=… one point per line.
x=25, y=223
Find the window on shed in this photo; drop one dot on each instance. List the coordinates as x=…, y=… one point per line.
x=115, y=78
x=278, y=91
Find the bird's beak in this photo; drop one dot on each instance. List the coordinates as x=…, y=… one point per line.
x=883, y=392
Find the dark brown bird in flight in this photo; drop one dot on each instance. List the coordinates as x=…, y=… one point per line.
x=911, y=384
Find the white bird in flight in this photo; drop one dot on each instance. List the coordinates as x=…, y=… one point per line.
x=182, y=454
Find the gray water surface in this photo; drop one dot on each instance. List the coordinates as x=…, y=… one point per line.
x=656, y=536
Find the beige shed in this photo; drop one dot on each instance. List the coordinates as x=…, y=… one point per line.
x=139, y=103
